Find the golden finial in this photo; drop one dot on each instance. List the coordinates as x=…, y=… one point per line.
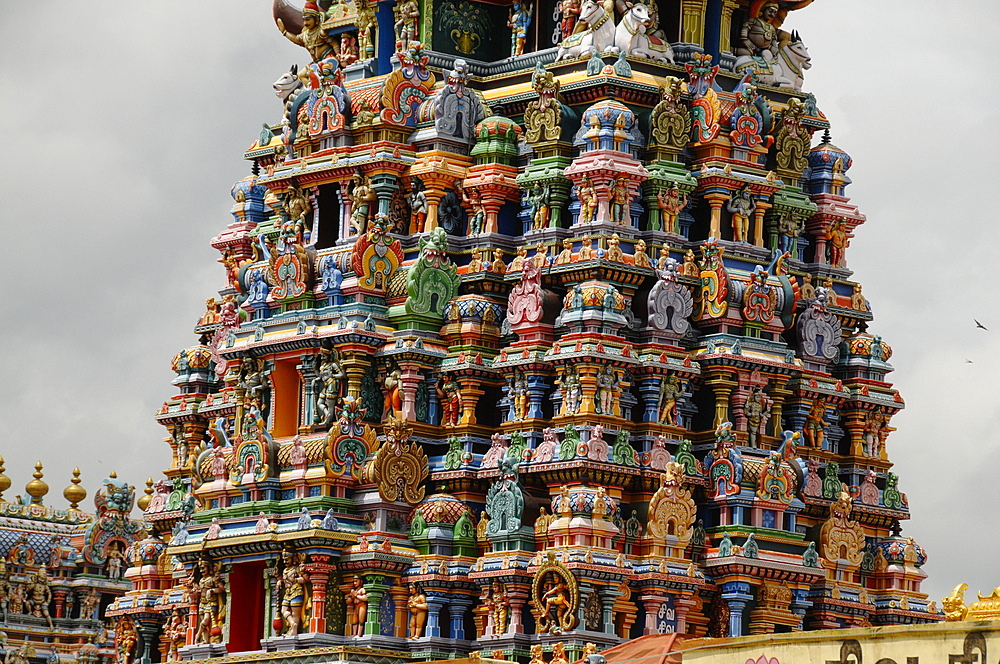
x=4, y=480
x=36, y=488
x=75, y=493
x=143, y=502
x=113, y=475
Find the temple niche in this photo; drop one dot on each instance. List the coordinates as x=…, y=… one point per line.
x=536, y=332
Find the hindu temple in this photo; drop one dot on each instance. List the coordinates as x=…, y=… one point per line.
x=536, y=334
x=61, y=567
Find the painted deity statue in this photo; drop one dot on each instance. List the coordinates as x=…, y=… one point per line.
x=209, y=595
x=741, y=205
x=621, y=199
x=499, y=605
x=587, y=196
x=416, y=604
x=292, y=590
x=313, y=37
x=759, y=35
x=40, y=596
x=407, y=24
x=326, y=386
x=670, y=390
x=518, y=22
x=570, y=10
x=357, y=608
x=670, y=201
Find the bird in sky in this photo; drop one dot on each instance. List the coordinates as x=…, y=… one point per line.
x=968, y=361
x=980, y=325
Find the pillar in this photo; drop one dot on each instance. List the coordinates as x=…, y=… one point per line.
x=457, y=608
x=737, y=596
x=471, y=393
x=726, y=28
x=385, y=185
x=149, y=631
x=518, y=596
x=693, y=20
x=722, y=387
x=434, y=604
x=761, y=207
x=651, y=603
x=715, y=201
x=649, y=389
x=538, y=385
x=409, y=380
x=607, y=610
x=800, y=604
x=346, y=208
x=400, y=597
x=375, y=587
x=682, y=606
x=355, y=366
x=588, y=388
x=318, y=569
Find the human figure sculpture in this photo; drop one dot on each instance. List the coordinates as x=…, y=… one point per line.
x=571, y=388
x=357, y=608
x=88, y=604
x=540, y=211
x=450, y=398
x=789, y=227
x=587, y=196
x=741, y=206
x=689, y=268
x=759, y=35
x=292, y=589
x=418, y=206
x=474, y=199
x=671, y=202
x=670, y=390
x=814, y=430
x=407, y=24
x=586, y=253
x=754, y=410
x=607, y=385
x=40, y=595
x=364, y=20
x=176, y=633
x=521, y=396
x=500, y=608
x=837, y=243
x=565, y=256
x=209, y=594
x=570, y=10
x=394, y=400
x=621, y=199
x=326, y=386
x=518, y=22
x=614, y=249
x=417, y=606
x=361, y=194
x=313, y=37
x=556, y=602
x=476, y=263
x=113, y=567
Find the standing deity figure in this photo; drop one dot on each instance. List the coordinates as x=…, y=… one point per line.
x=789, y=227
x=571, y=389
x=540, y=210
x=407, y=24
x=518, y=22
x=418, y=205
x=362, y=194
x=837, y=243
x=565, y=256
x=292, y=590
x=450, y=397
x=357, y=608
x=417, y=605
x=670, y=202
x=114, y=566
x=499, y=604
x=40, y=595
x=754, y=410
x=521, y=394
x=759, y=35
x=814, y=431
x=176, y=633
x=621, y=199
x=326, y=387
x=209, y=594
x=313, y=37
x=587, y=196
x=394, y=399
x=474, y=199
x=639, y=256
x=365, y=20
x=670, y=390
x=741, y=205
x=570, y=10
x=88, y=604
x=518, y=262
x=607, y=386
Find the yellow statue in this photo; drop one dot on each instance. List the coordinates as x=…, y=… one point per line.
x=313, y=37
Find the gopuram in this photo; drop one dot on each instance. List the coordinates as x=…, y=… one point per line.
x=60, y=568
x=536, y=335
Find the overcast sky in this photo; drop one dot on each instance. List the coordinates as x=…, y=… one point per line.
x=125, y=125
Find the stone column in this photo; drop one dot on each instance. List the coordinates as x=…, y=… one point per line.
x=693, y=20
x=518, y=596
x=346, y=208
x=434, y=604
x=400, y=597
x=355, y=365
x=737, y=595
x=318, y=569
x=649, y=388
x=471, y=393
x=726, y=27
x=457, y=608
x=651, y=603
x=683, y=605
x=607, y=610
x=409, y=380
x=722, y=387
x=762, y=206
x=385, y=185
x=148, y=636
x=375, y=587
x=715, y=201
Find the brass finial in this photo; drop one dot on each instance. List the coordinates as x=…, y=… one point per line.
x=36, y=488
x=113, y=475
x=75, y=493
x=143, y=501
x=4, y=480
